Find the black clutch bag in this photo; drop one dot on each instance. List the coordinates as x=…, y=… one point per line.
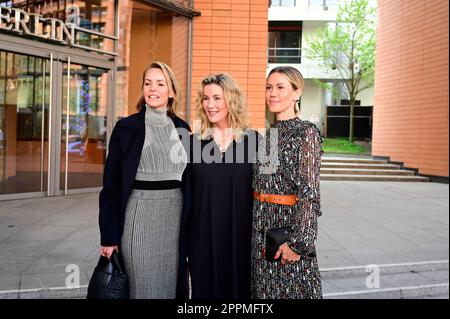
x=109, y=280
x=276, y=237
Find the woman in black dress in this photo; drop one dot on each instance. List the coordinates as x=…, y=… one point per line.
x=287, y=194
x=215, y=238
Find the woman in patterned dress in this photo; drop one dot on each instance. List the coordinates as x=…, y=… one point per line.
x=286, y=186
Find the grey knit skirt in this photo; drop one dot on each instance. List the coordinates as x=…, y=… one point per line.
x=150, y=242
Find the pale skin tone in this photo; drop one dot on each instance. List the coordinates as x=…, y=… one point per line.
x=281, y=98
x=216, y=109
x=155, y=89
x=156, y=94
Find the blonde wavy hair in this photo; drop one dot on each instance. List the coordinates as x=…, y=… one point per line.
x=174, y=103
x=235, y=101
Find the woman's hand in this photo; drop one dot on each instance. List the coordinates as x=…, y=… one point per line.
x=106, y=251
x=287, y=254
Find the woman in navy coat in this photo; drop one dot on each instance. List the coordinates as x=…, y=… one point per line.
x=141, y=200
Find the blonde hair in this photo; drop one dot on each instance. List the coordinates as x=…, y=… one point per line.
x=235, y=101
x=295, y=78
x=174, y=103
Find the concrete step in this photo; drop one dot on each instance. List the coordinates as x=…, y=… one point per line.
x=393, y=281
x=406, y=280
x=354, y=160
x=434, y=291
x=413, y=267
x=359, y=166
x=357, y=171
x=46, y=293
x=384, y=178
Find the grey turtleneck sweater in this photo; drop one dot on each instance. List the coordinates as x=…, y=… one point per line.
x=163, y=156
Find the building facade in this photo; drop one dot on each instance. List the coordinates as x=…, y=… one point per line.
x=411, y=85
x=231, y=36
x=69, y=69
x=290, y=24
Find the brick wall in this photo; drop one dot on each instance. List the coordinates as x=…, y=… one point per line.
x=411, y=102
x=231, y=36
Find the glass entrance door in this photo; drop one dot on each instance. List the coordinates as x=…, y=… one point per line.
x=54, y=116
x=24, y=125
x=83, y=126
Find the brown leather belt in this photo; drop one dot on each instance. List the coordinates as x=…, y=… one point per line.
x=288, y=200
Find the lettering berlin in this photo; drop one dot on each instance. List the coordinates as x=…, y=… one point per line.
x=16, y=20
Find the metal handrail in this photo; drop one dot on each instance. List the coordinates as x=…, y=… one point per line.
x=284, y=49
x=93, y=32
x=325, y=4
x=278, y=48
x=279, y=3
x=75, y=29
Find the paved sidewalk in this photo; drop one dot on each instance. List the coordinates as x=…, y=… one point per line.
x=42, y=241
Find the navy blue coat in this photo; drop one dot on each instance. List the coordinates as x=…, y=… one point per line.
x=125, y=148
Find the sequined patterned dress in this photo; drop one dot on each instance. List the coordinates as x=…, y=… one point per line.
x=292, y=169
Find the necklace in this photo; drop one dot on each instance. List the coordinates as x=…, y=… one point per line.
x=223, y=145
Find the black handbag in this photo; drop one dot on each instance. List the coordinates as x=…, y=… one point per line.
x=109, y=280
x=275, y=237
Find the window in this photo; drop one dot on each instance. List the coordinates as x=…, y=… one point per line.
x=283, y=3
x=325, y=4
x=85, y=15
x=284, y=42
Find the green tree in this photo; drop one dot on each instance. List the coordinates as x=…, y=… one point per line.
x=348, y=46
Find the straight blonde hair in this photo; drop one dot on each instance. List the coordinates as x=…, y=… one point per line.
x=236, y=104
x=174, y=103
x=295, y=78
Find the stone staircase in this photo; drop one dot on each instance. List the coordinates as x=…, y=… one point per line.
x=419, y=280
x=364, y=168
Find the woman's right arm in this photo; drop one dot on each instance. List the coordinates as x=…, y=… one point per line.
x=110, y=202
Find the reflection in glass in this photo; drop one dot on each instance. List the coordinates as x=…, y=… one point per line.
x=24, y=99
x=86, y=126
x=94, y=15
x=146, y=34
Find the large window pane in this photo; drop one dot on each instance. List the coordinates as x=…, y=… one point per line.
x=86, y=126
x=284, y=42
x=24, y=98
